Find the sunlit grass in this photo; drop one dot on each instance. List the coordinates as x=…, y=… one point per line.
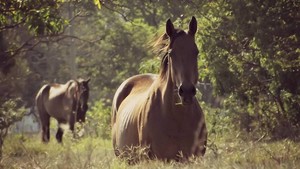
x=227, y=152
x=29, y=152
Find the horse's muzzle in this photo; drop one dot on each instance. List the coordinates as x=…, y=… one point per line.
x=187, y=100
x=187, y=94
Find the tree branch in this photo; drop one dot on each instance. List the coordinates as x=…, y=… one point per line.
x=114, y=10
x=5, y=27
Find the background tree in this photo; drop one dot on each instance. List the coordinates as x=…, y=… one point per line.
x=252, y=53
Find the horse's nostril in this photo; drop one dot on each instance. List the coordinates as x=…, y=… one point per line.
x=191, y=90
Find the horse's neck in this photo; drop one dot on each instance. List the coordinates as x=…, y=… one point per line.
x=171, y=109
x=167, y=89
x=71, y=91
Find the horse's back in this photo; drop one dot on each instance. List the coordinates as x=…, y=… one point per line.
x=58, y=90
x=135, y=85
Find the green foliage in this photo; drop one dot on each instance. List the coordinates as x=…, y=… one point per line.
x=97, y=2
x=98, y=121
x=251, y=54
x=150, y=66
x=40, y=17
x=10, y=112
x=219, y=121
x=11, y=101
x=116, y=56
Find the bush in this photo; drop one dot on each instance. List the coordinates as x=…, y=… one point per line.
x=98, y=120
x=10, y=112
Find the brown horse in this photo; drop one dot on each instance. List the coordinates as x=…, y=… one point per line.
x=67, y=103
x=160, y=112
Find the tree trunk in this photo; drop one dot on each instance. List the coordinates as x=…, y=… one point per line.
x=3, y=133
x=72, y=49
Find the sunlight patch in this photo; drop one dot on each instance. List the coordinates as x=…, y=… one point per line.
x=65, y=127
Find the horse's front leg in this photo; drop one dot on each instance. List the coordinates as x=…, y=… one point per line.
x=59, y=134
x=72, y=123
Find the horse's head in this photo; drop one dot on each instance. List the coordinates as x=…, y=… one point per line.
x=83, y=99
x=182, y=60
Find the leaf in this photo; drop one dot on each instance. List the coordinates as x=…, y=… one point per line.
x=97, y=3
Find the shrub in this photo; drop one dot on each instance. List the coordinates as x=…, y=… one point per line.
x=98, y=120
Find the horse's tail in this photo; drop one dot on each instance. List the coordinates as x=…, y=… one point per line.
x=39, y=103
x=33, y=111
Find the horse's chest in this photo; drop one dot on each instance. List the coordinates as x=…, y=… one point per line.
x=170, y=145
x=174, y=136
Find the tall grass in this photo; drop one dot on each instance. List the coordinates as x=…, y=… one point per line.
x=27, y=151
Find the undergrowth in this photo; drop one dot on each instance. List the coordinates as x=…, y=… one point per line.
x=228, y=151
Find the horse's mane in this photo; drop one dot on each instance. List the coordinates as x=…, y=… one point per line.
x=161, y=47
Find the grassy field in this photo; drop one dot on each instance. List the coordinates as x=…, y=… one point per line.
x=27, y=151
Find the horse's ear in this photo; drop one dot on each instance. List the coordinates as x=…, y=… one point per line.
x=192, y=26
x=170, y=28
x=87, y=80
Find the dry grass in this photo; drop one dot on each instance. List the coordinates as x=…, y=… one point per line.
x=29, y=152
